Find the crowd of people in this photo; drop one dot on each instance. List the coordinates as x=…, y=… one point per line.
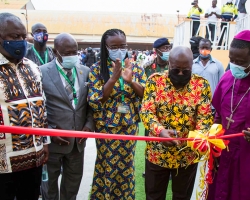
x=171, y=90
x=231, y=11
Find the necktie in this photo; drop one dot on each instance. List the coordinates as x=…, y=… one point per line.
x=68, y=87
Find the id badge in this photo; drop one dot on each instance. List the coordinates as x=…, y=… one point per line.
x=123, y=109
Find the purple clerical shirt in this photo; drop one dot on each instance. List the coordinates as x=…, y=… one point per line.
x=233, y=177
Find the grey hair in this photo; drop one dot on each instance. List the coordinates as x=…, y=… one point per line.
x=4, y=17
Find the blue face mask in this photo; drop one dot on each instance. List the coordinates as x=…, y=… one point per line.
x=165, y=55
x=16, y=49
x=69, y=62
x=238, y=71
x=121, y=54
x=41, y=37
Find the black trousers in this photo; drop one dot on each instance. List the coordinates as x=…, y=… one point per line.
x=157, y=178
x=196, y=25
x=211, y=28
x=223, y=33
x=23, y=185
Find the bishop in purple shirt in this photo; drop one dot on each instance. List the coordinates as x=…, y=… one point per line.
x=232, y=103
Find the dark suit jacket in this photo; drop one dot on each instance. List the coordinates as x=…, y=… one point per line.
x=242, y=6
x=60, y=112
x=30, y=54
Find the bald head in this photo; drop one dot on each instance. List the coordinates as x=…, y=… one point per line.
x=66, y=45
x=63, y=38
x=181, y=55
x=38, y=27
x=180, y=66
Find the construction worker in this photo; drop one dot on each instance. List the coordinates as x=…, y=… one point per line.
x=229, y=13
x=194, y=13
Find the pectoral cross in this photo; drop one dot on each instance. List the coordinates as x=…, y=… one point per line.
x=230, y=120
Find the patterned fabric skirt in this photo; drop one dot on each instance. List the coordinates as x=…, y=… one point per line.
x=114, y=177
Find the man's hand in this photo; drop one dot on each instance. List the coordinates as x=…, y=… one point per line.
x=60, y=141
x=85, y=128
x=168, y=134
x=247, y=134
x=46, y=153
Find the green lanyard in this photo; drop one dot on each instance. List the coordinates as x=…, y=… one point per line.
x=39, y=57
x=122, y=84
x=70, y=82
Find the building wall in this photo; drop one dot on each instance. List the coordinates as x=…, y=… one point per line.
x=89, y=26
x=222, y=56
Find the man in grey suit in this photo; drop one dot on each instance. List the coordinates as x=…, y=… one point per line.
x=65, y=86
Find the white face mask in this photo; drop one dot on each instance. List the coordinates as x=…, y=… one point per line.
x=69, y=62
x=121, y=54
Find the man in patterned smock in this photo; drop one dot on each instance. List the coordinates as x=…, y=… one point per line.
x=174, y=101
x=21, y=104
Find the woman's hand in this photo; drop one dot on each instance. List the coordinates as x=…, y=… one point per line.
x=127, y=74
x=117, y=70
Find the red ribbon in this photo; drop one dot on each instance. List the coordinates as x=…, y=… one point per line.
x=214, y=153
x=81, y=134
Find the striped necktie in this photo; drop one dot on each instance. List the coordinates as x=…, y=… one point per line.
x=68, y=87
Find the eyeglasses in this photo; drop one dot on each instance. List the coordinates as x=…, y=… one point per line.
x=115, y=48
x=184, y=71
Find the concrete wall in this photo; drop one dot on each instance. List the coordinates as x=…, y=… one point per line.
x=222, y=56
x=89, y=26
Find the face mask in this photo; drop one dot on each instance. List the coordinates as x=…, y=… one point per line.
x=41, y=37
x=204, y=54
x=121, y=54
x=69, y=61
x=17, y=49
x=180, y=80
x=238, y=71
x=165, y=55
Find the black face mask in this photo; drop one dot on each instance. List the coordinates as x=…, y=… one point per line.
x=179, y=80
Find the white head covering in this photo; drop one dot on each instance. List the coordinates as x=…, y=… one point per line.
x=229, y=1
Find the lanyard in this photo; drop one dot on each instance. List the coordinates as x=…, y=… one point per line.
x=122, y=84
x=70, y=82
x=39, y=57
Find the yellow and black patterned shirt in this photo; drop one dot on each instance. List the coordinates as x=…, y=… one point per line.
x=165, y=107
x=106, y=114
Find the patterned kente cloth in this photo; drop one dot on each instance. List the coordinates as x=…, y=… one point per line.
x=114, y=176
x=21, y=104
x=165, y=107
x=114, y=169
